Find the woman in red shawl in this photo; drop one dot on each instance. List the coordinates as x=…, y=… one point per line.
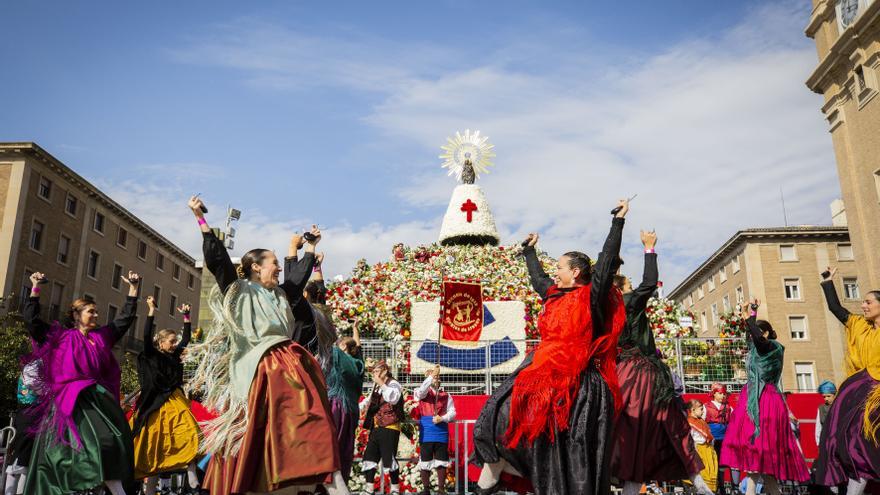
x=550, y=421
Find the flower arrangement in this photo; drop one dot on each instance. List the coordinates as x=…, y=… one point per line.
x=732, y=324
x=666, y=316
x=379, y=296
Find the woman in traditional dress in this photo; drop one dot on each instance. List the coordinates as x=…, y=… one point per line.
x=83, y=439
x=275, y=430
x=166, y=435
x=344, y=383
x=849, y=450
x=550, y=421
x=760, y=441
x=702, y=435
x=652, y=435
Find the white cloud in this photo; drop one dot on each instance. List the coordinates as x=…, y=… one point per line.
x=706, y=132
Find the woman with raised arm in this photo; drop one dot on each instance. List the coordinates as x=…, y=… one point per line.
x=275, y=430
x=849, y=450
x=652, y=437
x=344, y=386
x=166, y=435
x=83, y=439
x=760, y=441
x=551, y=420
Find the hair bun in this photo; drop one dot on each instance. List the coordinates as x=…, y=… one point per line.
x=239, y=270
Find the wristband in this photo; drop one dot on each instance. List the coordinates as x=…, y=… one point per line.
x=202, y=221
x=35, y=290
x=317, y=269
x=753, y=313
x=186, y=318
x=649, y=251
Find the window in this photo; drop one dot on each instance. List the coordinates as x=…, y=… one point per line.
x=37, y=229
x=45, y=189
x=116, y=281
x=803, y=373
x=711, y=284
x=175, y=271
x=160, y=262
x=714, y=314
x=725, y=302
x=844, y=252
x=703, y=325
x=70, y=205
x=142, y=250
x=172, y=304
x=851, y=288
x=797, y=325
x=722, y=275
x=191, y=281
x=55, y=301
x=111, y=313
x=157, y=295
x=792, y=289
x=121, y=237
x=98, y=225
x=700, y=292
x=787, y=252
x=740, y=295
x=93, y=264
x=865, y=84
x=735, y=264
x=63, y=249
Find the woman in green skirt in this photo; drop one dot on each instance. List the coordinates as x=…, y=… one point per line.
x=84, y=442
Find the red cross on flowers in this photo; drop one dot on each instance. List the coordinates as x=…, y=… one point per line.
x=469, y=207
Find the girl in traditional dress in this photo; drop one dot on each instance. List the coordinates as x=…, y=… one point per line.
x=550, y=421
x=27, y=395
x=703, y=439
x=275, y=429
x=384, y=414
x=83, y=439
x=718, y=417
x=652, y=436
x=166, y=435
x=759, y=439
x=850, y=445
x=436, y=411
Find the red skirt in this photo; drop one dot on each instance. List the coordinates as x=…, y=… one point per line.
x=290, y=439
x=651, y=441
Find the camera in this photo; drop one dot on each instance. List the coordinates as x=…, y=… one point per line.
x=308, y=236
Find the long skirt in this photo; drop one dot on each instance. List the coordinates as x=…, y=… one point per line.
x=290, y=438
x=23, y=443
x=775, y=452
x=576, y=463
x=845, y=453
x=346, y=424
x=652, y=442
x=710, y=465
x=105, y=452
x=169, y=440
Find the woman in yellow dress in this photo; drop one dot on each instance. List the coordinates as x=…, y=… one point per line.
x=166, y=434
x=703, y=440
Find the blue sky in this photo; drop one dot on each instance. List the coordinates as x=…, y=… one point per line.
x=300, y=112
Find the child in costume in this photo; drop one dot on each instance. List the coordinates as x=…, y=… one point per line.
x=436, y=410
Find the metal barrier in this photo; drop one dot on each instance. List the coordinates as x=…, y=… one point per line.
x=697, y=361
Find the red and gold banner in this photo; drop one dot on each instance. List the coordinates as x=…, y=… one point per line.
x=461, y=309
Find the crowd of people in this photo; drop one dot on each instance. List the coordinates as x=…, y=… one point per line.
x=593, y=404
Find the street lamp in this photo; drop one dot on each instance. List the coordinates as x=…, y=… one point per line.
x=232, y=215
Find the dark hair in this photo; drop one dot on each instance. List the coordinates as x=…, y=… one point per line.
x=765, y=326
x=349, y=343
x=694, y=403
x=249, y=258
x=581, y=261
x=316, y=295
x=876, y=294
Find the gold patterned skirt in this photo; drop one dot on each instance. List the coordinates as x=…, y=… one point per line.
x=169, y=441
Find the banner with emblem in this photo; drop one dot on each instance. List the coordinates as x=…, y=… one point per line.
x=461, y=307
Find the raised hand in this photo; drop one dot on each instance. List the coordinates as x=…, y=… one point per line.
x=134, y=281
x=316, y=232
x=35, y=278
x=531, y=239
x=831, y=271
x=151, y=305
x=649, y=239
x=319, y=258
x=184, y=309
x=196, y=204
x=623, y=204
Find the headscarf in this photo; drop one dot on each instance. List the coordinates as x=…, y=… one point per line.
x=827, y=387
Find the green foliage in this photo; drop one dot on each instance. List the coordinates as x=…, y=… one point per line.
x=129, y=381
x=14, y=343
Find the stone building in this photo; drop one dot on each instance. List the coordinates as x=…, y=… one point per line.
x=847, y=36
x=781, y=267
x=56, y=222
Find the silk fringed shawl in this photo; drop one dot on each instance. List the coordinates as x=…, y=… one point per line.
x=71, y=362
x=543, y=393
